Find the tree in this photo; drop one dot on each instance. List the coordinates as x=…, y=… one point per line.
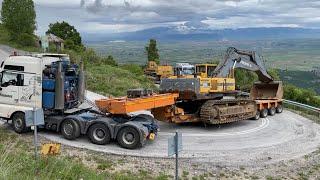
x=152, y=51
x=68, y=33
x=18, y=17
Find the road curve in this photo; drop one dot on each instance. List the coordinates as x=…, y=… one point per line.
x=272, y=139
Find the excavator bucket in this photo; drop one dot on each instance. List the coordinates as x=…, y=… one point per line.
x=272, y=90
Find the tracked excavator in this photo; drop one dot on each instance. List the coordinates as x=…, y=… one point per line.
x=211, y=96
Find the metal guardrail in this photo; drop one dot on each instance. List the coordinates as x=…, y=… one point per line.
x=307, y=108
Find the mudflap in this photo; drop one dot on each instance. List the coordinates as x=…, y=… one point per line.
x=147, y=126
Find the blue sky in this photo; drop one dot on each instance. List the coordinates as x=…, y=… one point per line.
x=113, y=16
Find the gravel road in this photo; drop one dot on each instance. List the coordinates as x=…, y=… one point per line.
x=280, y=137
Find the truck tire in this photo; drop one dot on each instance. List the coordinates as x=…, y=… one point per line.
x=272, y=111
x=279, y=109
x=19, y=123
x=257, y=116
x=128, y=137
x=70, y=129
x=99, y=134
x=264, y=113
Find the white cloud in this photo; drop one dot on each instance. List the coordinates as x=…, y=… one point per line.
x=245, y=22
x=130, y=15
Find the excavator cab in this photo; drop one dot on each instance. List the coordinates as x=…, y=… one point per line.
x=205, y=70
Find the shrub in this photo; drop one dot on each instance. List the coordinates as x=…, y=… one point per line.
x=69, y=44
x=26, y=40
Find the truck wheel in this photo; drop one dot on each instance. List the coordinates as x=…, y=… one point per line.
x=272, y=111
x=264, y=113
x=257, y=116
x=19, y=123
x=128, y=137
x=279, y=109
x=99, y=134
x=70, y=129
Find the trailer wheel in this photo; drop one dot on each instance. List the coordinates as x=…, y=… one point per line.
x=70, y=129
x=279, y=109
x=272, y=111
x=128, y=137
x=99, y=134
x=257, y=116
x=264, y=113
x=19, y=123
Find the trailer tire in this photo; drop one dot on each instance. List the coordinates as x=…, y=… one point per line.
x=257, y=116
x=70, y=129
x=272, y=111
x=264, y=113
x=99, y=134
x=279, y=109
x=19, y=123
x=128, y=137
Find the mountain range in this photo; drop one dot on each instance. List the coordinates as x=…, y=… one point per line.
x=180, y=34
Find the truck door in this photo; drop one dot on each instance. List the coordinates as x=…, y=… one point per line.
x=30, y=94
x=9, y=88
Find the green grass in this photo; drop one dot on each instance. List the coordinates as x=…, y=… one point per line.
x=17, y=162
x=6, y=40
x=109, y=80
x=301, y=79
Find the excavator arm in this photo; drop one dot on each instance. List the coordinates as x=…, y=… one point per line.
x=248, y=60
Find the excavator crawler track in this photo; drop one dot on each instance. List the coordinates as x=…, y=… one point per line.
x=226, y=111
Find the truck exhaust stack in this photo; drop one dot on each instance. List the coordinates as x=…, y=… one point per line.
x=81, y=84
x=272, y=90
x=59, y=88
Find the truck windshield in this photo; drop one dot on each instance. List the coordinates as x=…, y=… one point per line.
x=188, y=71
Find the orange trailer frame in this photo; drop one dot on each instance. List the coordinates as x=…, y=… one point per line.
x=127, y=105
x=267, y=103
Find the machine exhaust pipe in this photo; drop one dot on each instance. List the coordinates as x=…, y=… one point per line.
x=81, y=83
x=59, y=88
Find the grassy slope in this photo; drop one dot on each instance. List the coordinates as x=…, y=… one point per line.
x=115, y=81
x=301, y=79
x=5, y=39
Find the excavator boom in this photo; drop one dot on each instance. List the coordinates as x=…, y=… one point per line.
x=248, y=60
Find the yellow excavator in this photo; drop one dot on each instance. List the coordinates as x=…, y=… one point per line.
x=157, y=72
x=210, y=96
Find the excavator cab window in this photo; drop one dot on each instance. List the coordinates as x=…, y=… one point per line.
x=201, y=69
x=210, y=70
x=205, y=69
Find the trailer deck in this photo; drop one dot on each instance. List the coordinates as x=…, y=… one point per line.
x=127, y=105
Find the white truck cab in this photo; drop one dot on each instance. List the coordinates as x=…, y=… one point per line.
x=182, y=69
x=21, y=82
